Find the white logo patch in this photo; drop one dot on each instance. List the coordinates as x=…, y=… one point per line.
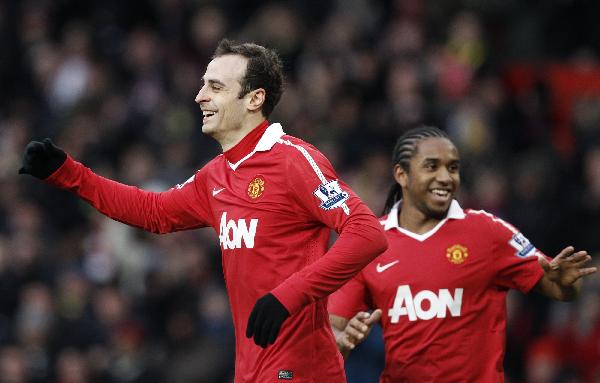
x=522, y=245
x=217, y=191
x=331, y=195
x=381, y=268
x=438, y=306
x=232, y=233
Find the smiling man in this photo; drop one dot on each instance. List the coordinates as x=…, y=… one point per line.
x=440, y=288
x=272, y=199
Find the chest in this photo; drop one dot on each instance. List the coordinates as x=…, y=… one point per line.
x=251, y=202
x=442, y=266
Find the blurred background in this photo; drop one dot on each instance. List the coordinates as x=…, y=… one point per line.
x=516, y=84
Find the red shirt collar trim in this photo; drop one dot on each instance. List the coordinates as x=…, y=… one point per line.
x=247, y=144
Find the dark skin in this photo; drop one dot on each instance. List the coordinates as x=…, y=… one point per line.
x=429, y=185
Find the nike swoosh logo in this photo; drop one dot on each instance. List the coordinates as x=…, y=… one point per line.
x=381, y=269
x=217, y=191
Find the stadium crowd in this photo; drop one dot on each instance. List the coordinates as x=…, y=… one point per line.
x=86, y=299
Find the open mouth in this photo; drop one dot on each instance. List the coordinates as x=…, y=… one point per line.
x=441, y=195
x=207, y=114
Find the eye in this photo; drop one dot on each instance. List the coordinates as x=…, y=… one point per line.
x=453, y=168
x=430, y=166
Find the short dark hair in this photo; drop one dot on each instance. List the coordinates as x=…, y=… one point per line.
x=264, y=70
x=405, y=149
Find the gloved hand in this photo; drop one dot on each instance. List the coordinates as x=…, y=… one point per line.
x=265, y=320
x=41, y=159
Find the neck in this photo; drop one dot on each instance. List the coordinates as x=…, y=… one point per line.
x=234, y=137
x=414, y=220
x=247, y=144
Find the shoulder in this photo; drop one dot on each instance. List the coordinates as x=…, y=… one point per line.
x=291, y=144
x=300, y=154
x=488, y=221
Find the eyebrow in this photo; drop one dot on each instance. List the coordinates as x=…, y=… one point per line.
x=437, y=159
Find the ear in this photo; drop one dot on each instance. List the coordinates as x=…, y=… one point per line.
x=256, y=99
x=401, y=176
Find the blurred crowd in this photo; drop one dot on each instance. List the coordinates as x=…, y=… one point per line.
x=516, y=84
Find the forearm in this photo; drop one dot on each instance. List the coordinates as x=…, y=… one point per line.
x=358, y=244
x=120, y=202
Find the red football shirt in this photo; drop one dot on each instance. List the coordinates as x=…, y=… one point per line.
x=273, y=210
x=443, y=296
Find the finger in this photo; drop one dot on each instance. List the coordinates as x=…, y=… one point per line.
x=587, y=271
x=578, y=257
x=564, y=253
x=353, y=332
x=251, y=322
x=48, y=144
x=261, y=337
x=375, y=317
x=347, y=341
x=34, y=147
x=578, y=264
x=358, y=325
x=273, y=333
x=360, y=316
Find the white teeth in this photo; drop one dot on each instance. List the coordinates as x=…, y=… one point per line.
x=207, y=113
x=440, y=192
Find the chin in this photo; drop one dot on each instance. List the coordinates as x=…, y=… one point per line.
x=438, y=211
x=208, y=130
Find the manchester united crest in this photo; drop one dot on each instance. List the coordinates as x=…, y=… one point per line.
x=457, y=254
x=256, y=187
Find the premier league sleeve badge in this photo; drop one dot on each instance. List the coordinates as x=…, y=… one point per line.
x=332, y=196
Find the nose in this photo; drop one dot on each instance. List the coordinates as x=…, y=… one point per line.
x=443, y=175
x=202, y=96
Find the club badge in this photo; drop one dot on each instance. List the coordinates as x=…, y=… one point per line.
x=457, y=254
x=256, y=187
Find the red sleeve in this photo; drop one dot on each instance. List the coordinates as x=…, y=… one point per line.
x=324, y=198
x=515, y=258
x=350, y=298
x=179, y=208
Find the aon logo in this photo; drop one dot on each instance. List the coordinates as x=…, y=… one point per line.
x=415, y=307
x=232, y=233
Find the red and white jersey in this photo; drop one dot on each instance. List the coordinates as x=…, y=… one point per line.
x=272, y=210
x=443, y=296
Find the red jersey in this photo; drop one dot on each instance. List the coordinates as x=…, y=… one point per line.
x=443, y=294
x=272, y=210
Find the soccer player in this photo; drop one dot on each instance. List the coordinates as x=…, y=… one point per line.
x=440, y=288
x=271, y=198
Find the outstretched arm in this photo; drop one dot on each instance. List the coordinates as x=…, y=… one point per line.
x=563, y=275
x=176, y=209
x=351, y=333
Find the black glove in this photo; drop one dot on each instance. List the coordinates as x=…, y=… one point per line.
x=41, y=159
x=265, y=320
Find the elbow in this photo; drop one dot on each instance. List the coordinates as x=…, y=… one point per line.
x=378, y=241
x=382, y=243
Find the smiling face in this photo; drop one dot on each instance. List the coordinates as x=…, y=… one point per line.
x=432, y=179
x=224, y=111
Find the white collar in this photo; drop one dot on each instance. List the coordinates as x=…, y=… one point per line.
x=454, y=212
x=266, y=142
